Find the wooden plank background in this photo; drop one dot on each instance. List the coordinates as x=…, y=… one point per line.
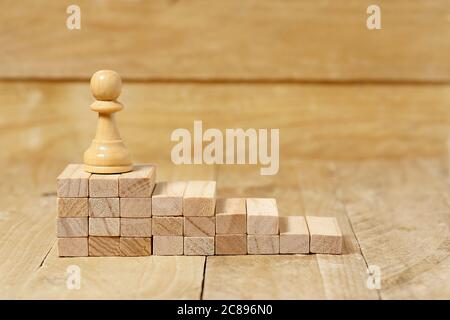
x=233, y=40
x=364, y=129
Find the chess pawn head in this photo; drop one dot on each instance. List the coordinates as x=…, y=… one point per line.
x=107, y=153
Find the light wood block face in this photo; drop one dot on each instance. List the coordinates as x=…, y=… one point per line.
x=138, y=183
x=72, y=227
x=135, y=247
x=167, y=198
x=73, y=207
x=104, y=186
x=231, y=244
x=199, y=246
x=262, y=216
x=104, y=207
x=104, y=227
x=168, y=245
x=294, y=235
x=167, y=226
x=231, y=216
x=73, y=247
x=199, y=198
x=136, y=227
x=73, y=182
x=136, y=207
x=104, y=246
x=325, y=235
x=263, y=244
x=199, y=226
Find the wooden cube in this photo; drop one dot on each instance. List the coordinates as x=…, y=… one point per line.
x=135, y=247
x=231, y=216
x=73, y=207
x=294, y=235
x=199, y=198
x=199, y=246
x=73, y=247
x=200, y=226
x=104, y=186
x=231, y=244
x=104, y=207
x=325, y=235
x=263, y=244
x=262, y=216
x=73, y=182
x=167, y=226
x=135, y=207
x=104, y=246
x=167, y=198
x=168, y=245
x=138, y=183
x=136, y=227
x=104, y=227
x=72, y=227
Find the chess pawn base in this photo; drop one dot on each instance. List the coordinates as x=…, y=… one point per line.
x=110, y=157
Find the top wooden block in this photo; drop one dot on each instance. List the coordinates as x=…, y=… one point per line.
x=137, y=183
x=199, y=198
x=262, y=216
x=325, y=235
x=73, y=182
x=104, y=186
x=167, y=198
x=294, y=225
x=231, y=216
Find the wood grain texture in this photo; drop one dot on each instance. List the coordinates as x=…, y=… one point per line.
x=325, y=235
x=136, y=227
x=373, y=155
x=231, y=244
x=138, y=183
x=73, y=182
x=132, y=278
x=198, y=246
x=135, y=207
x=263, y=244
x=73, y=207
x=104, y=246
x=399, y=212
x=316, y=182
x=288, y=277
x=167, y=245
x=262, y=216
x=274, y=40
x=231, y=216
x=199, y=198
x=73, y=247
x=167, y=226
x=104, y=227
x=200, y=226
x=104, y=185
x=336, y=122
x=104, y=207
x=135, y=247
x=167, y=198
x=72, y=227
x=294, y=235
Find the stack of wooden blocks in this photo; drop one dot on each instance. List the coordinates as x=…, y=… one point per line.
x=129, y=215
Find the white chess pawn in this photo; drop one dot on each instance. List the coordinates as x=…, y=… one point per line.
x=107, y=153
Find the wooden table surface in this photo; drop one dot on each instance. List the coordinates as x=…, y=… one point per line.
x=374, y=156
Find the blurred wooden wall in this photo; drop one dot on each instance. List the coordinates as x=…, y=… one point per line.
x=335, y=89
x=227, y=40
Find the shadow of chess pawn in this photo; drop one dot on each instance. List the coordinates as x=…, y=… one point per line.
x=107, y=153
